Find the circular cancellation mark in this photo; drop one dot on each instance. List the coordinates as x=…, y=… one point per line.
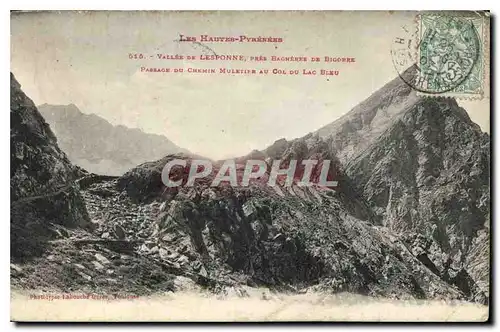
x=441, y=53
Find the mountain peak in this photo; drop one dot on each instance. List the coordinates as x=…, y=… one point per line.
x=360, y=127
x=410, y=74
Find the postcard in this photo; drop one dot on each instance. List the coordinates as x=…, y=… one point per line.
x=250, y=166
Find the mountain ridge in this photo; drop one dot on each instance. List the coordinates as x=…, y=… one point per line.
x=100, y=147
x=404, y=151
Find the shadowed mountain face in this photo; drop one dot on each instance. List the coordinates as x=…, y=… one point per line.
x=428, y=174
x=423, y=168
x=99, y=147
x=42, y=180
x=408, y=219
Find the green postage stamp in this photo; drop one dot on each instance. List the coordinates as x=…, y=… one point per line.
x=453, y=54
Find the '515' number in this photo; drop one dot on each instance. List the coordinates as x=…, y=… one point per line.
x=135, y=56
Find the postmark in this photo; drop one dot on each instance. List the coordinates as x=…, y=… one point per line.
x=443, y=55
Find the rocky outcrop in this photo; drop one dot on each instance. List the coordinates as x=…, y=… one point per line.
x=293, y=237
x=428, y=174
x=42, y=180
x=96, y=145
x=313, y=147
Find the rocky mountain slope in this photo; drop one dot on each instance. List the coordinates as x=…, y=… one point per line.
x=429, y=174
x=361, y=126
x=409, y=217
x=94, y=144
x=423, y=167
x=296, y=238
x=42, y=180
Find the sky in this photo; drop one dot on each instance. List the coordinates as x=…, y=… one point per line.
x=82, y=58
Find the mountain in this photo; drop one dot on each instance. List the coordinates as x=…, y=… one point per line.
x=94, y=144
x=408, y=219
x=423, y=168
x=361, y=126
x=43, y=187
x=427, y=177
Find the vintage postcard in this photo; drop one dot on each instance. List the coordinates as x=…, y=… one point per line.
x=250, y=166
